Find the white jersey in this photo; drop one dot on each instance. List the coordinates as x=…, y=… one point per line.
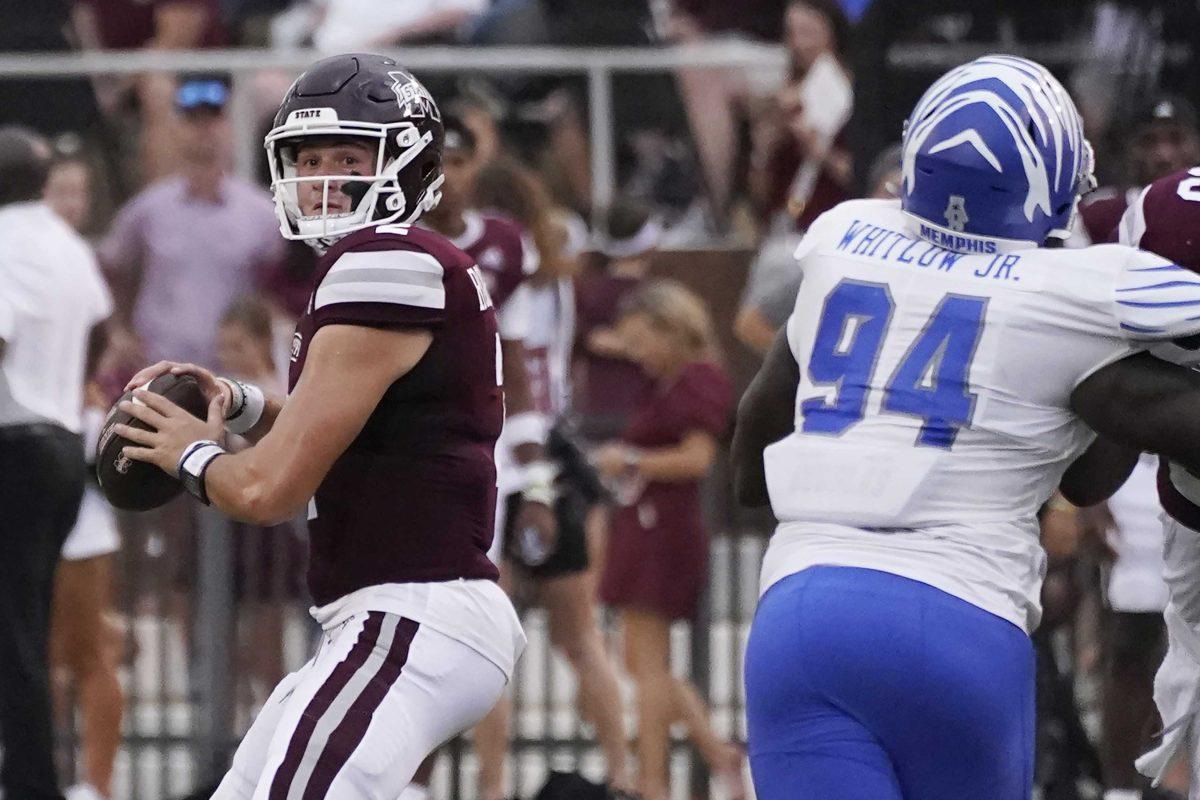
x=932, y=415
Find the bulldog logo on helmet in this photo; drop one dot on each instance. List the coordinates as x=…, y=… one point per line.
x=414, y=99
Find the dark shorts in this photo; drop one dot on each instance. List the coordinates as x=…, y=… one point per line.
x=570, y=554
x=579, y=490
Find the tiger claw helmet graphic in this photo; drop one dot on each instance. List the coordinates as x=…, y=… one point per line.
x=994, y=158
x=366, y=97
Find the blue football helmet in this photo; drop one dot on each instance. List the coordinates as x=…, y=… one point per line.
x=994, y=157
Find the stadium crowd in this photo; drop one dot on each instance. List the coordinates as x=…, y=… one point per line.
x=143, y=169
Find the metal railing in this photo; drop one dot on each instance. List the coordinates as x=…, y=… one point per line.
x=597, y=65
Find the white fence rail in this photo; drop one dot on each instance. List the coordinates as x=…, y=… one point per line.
x=597, y=65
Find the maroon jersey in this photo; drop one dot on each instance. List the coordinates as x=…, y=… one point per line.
x=610, y=387
x=413, y=497
x=1165, y=219
x=781, y=167
x=657, y=544
x=1100, y=212
x=495, y=243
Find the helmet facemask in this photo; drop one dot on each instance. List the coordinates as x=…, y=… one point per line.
x=379, y=198
x=1085, y=183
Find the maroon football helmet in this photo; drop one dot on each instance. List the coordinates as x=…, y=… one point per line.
x=359, y=96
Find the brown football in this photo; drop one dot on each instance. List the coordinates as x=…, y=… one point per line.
x=136, y=485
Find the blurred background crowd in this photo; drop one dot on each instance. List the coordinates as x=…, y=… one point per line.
x=170, y=627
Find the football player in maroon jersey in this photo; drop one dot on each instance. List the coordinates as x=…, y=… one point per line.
x=1162, y=139
x=1160, y=218
x=387, y=436
x=499, y=247
x=1165, y=219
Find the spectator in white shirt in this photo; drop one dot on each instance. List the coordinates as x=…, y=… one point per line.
x=86, y=635
x=52, y=299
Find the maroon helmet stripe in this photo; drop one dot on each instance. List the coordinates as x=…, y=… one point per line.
x=353, y=727
x=321, y=702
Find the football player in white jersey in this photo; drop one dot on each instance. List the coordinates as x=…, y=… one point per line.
x=940, y=372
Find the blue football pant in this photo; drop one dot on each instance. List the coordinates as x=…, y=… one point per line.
x=863, y=685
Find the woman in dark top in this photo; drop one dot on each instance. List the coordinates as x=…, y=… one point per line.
x=657, y=563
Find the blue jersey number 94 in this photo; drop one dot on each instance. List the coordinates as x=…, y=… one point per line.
x=930, y=382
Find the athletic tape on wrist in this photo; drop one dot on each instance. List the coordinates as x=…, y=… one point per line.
x=251, y=410
x=237, y=397
x=194, y=462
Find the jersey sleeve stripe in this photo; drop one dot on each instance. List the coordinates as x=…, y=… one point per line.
x=408, y=260
x=1163, y=268
x=1164, y=304
x=1139, y=329
x=378, y=292
x=1164, y=285
x=405, y=277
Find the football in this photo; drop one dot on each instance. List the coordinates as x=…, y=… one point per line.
x=136, y=485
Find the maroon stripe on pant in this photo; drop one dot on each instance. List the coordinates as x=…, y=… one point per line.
x=349, y=733
x=321, y=701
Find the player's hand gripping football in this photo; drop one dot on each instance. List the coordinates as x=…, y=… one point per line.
x=209, y=385
x=173, y=428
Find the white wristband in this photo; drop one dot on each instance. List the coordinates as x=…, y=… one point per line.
x=527, y=427
x=246, y=414
x=538, y=477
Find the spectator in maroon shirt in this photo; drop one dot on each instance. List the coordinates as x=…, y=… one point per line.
x=799, y=163
x=717, y=100
x=608, y=384
x=147, y=25
x=657, y=564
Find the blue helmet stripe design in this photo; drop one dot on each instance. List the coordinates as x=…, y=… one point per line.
x=1003, y=134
